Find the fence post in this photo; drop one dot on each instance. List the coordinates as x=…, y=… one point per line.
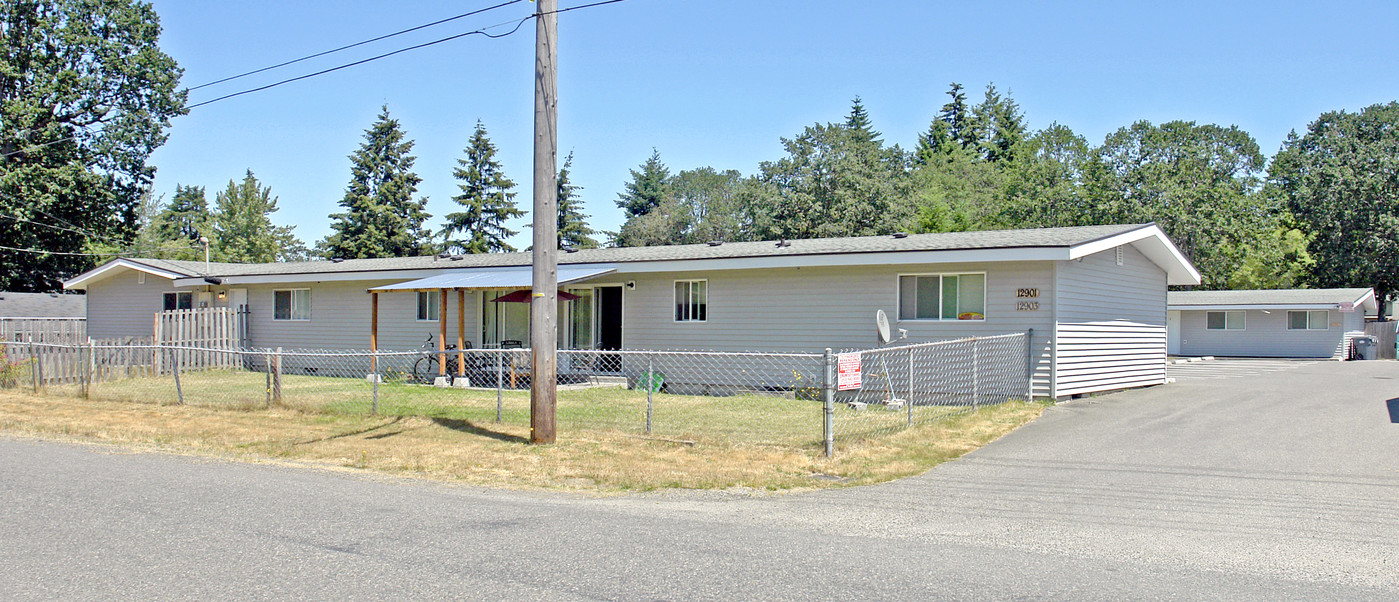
x=267, y=368
x=976, y=373
x=374, y=359
x=829, y=403
x=86, y=368
x=499, y=381
x=175, y=365
x=277, y=376
x=908, y=403
x=1030, y=366
x=650, y=384
x=34, y=361
x=39, y=363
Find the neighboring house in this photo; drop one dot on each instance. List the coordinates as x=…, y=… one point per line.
x=42, y=305
x=42, y=317
x=1094, y=295
x=1299, y=323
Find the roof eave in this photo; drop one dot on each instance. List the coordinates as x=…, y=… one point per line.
x=81, y=281
x=1152, y=242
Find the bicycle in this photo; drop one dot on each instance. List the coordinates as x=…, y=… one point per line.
x=425, y=370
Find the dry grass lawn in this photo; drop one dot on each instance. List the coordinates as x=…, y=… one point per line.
x=495, y=455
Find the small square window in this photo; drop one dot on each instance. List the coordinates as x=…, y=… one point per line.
x=429, y=306
x=691, y=300
x=178, y=300
x=294, y=304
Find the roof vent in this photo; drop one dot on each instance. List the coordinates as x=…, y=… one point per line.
x=900, y=235
x=570, y=249
x=784, y=243
x=443, y=255
x=337, y=259
x=458, y=257
x=54, y=295
x=715, y=243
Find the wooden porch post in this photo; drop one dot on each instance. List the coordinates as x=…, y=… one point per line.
x=442, y=339
x=461, y=332
x=374, y=332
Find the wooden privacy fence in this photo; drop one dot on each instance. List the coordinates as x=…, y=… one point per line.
x=63, y=331
x=209, y=329
x=1385, y=335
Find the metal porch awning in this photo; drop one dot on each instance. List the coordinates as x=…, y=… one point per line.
x=486, y=279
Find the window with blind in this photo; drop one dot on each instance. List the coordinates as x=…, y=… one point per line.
x=942, y=297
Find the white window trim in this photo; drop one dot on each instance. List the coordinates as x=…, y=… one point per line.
x=1327, y=322
x=1226, y=313
x=985, y=296
x=676, y=320
x=177, y=301
x=418, y=299
x=293, y=308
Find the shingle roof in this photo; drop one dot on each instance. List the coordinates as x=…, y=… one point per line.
x=994, y=239
x=1296, y=296
x=42, y=305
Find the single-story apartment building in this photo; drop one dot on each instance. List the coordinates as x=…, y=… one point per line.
x=1300, y=323
x=1094, y=295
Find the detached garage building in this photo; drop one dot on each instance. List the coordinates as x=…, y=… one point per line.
x=1317, y=323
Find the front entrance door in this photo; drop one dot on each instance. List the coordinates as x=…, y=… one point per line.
x=609, y=317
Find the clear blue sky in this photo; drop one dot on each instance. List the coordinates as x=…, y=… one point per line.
x=719, y=82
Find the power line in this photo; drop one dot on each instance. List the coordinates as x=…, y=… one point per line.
x=481, y=31
x=360, y=43
x=43, y=252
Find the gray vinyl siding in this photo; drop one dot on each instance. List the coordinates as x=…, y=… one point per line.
x=341, y=316
x=1267, y=335
x=1111, y=323
x=118, y=307
x=806, y=310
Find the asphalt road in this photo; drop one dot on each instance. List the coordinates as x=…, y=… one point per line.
x=1277, y=486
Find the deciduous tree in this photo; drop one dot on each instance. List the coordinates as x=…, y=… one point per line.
x=1341, y=180
x=86, y=95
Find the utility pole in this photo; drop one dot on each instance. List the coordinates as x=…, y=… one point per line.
x=544, y=298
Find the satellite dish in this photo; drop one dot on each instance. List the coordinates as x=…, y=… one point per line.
x=881, y=322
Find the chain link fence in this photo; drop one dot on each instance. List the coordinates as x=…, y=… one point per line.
x=915, y=384
x=783, y=399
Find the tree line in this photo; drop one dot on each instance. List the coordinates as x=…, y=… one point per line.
x=1323, y=212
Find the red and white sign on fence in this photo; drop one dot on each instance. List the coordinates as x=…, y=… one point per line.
x=847, y=371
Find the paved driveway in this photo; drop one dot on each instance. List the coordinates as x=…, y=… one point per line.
x=1277, y=486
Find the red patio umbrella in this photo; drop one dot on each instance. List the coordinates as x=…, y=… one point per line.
x=523, y=296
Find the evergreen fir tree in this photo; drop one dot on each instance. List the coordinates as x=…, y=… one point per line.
x=999, y=125
x=573, y=227
x=934, y=144
x=243, y=227
x=486, y=200
x=955, y=115
x=646, y=189
x=858, y=122
x=380, y=218
x=186, y=217
x=1008, y=130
